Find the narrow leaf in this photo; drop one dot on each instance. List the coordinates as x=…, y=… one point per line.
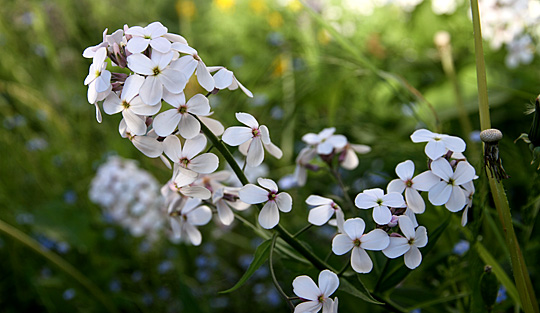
x=261, y=255
x=397, y=269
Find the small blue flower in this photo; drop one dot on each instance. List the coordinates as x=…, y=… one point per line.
x=136, y=276
x=501, y=295
x=164, y=293
x=115, y=285
x=69, y=294
x=70, y=197
x=62, y=247
x=165, y=266
x=461, y=247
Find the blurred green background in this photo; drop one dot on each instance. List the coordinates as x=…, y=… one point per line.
x=375, y=80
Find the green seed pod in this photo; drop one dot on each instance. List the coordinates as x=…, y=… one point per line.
x=489, y=286
x=534, y=133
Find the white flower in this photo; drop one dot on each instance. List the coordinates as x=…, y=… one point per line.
x=191, y=62
x=406, y=182
x=318, y=296
x=325, y=141
x=256, y=135
x=275, y=202
x=181, y=183
x=355, y=239
x=224, y=199
x=159, y=75
x=187, y=156
x=131, y=105
x=185, y=215
x=409, y=244
x=437, y=144
x=188, y=126
x=99, y=78
x=448, y=190
x=302, y=162
x=226, y=79
x=323, y=211
x=376, y=199
x=348, y=158
x=150, y=35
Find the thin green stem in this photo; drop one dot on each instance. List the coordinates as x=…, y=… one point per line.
x=521, y=275
x=273, y=274
x=344, y=189
x=343, y=269
x=298, y=233
x=59, y=262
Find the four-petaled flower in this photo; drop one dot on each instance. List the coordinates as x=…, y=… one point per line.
x=187, y=156
x=376, y=199
x=323, y=211
x=409, y=244
x=325, y=141
x=355, y=239
x=438, y=144
x=448, y=190
x=318, y=296
x=275, y=202
x=150, y=35
x=185, y=215
x=181, y=117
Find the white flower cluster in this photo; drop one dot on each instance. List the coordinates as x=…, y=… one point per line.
x=129, y=196
x=160, y=65
x=449, y=182
x=326, y=145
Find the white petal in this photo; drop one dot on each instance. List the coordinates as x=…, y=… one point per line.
x=325, y=148
x=382, y=215
x=376, y=240
x=328, y=282
x=203, y=76
x=131, y=87
x=394, y=200
x=406, y=226
x=414, y=201
x=184, y=48
x=172, y=148
x=215, y=126
x=284, y=202
x=151, y=90
x=225, y=214
x=198, y=105
x=457, y=200
x=464, y=173
x=236, y=135
x=318, y=200
x=365, y=201
x=273, y=150
x=194, y=146
x=354, y=228
x=265, y=134
x=405, y=170
x=137, y=44
x=420, y=237
x=360, y=261
x=173, y=80
x=253, y=194
x=160, y=44
x=223, y=78
x=205, y=163
x=440, y=193
x=308, y=307
x=425, y=181
x=268, y=184
x=200, y=216
x=311, y=139
x=174, y=99
x=442, y=168
x=453, y=143
x=244, y=89
x=135, y=124
x=435, y=149
x=166, y=122
x=320, y=215
x=422, y=135
x=305, y=288
x=337, y=141
x=98, y=113
x=112, y=104
x=413, y=258
x=350, y=162
x=247, y=119
x=255, y=154
x=342, y=244
x=189, y=127
x=196, y=192
x=396, y=185
x=269, y=216
x=193, y=234
x=397, y=247
x=148, y=146
x=141, y=64
x=138, y=107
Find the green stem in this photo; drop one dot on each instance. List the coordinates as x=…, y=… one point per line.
x=283, y=233
x=521, y=275
x=274, y=279
x=298, y=233
x=59, y=262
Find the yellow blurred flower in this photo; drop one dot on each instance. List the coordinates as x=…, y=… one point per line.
x=282, y=64
x=275, y=20
x=224, y=5
x=323, y=37
x=294, y=5
x=186, y=9
x=258, y=6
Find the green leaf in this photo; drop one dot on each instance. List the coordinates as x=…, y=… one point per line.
x=261, y=254
x=397, y=271
x=357, y=289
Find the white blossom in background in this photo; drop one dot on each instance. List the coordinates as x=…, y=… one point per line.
x=409, y=244
x=448, y=190
x=348, y=158
x=318, y=297
x=324, y=209
x=130, y=196
x=325, y=142
x=411, y=186
x=185, y=216
x=188, y=126
x=225, y=199
x=354, y=239
x=520, y=51
x=443, y=6
x=273, y=201
x=438, y=144
x=224, y=78
x=376, y=199
x=131, y=105
x=302, y=163
x=257, y=137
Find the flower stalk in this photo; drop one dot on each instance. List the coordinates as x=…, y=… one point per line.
x=521, y=275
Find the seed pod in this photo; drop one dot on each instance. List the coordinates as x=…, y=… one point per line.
x=489, y=287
